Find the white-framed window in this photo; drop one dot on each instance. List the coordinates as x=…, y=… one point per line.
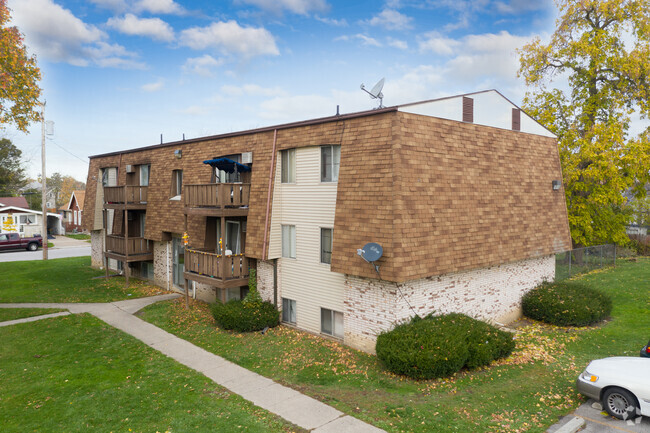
x=330, y=160
x=70, y=217
x=75, y=217
x=289, y=241
x=331, y=322
x=27, y=219
x=288, y=169
x=109, y=176
x=326, y=245
x=144, y=174
x=289, y=311
x=177, y=183
x=79, y=217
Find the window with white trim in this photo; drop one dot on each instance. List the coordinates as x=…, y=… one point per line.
x=331, y=322
x=288, y=169
x=330, y=160
x=289, y=241
x=177, y=184
x=289, y=311
x=326, y=245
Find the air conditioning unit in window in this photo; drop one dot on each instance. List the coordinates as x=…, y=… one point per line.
x=247, y=158
x=130, y=168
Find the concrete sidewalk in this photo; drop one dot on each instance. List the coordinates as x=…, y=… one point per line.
x=285, y=402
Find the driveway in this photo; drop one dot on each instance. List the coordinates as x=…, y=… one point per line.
x=63, y=247
x=596, y=421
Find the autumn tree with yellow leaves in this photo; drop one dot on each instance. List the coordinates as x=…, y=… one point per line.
x=603, y=49
x=19, y=77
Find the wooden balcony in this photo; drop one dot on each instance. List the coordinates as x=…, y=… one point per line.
x=216, y=270
x=133, y=197
x=217, y=199
x=139, y=249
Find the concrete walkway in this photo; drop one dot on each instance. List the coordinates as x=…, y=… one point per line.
x=285, y=402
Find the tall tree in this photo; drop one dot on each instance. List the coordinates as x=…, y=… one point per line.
x=12, y=174
x=68, y=185
x=603, y=48
x=19, y=76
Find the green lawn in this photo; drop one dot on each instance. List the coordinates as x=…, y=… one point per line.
x=65, y=280
x=525, y=393
x=77, y=374
x=20, y=313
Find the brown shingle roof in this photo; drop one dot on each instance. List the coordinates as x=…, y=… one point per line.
x=14, y=201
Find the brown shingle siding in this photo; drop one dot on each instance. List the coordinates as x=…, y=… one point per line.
x=440, y=196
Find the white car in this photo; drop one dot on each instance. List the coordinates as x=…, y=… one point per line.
x=621, y=384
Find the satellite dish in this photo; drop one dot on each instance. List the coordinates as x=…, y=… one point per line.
x=371, y=252
x=375, y=92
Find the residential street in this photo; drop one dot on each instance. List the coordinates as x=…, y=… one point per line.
x=63, y=247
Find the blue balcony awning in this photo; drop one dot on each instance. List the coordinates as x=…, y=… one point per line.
x=227, y=165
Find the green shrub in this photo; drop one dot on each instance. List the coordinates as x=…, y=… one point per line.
x=439, y=346
x=245, y=317
x=566, y=304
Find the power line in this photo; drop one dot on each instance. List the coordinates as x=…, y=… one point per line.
x=67, y=151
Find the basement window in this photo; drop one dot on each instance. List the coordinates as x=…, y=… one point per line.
x=331, y=322
x=289, y=311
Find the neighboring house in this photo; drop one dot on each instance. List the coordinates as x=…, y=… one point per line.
x=50, y=197
x=72, y=212
x=26, y=221
x=463, y=193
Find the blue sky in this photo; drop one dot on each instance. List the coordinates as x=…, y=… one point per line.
x=118, y=73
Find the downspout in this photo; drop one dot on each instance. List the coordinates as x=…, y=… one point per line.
x=268, y=196
x=275, y=282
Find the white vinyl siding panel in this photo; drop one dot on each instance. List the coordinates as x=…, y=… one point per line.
x=308, y=204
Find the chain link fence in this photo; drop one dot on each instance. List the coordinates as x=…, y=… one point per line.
x=581, y=260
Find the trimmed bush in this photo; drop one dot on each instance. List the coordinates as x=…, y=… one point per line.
x=439, y=346
x=566, y=304
x=245, y=317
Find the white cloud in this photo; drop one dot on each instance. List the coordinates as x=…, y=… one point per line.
x=332, y=21
x=301, y=7
x=438, y=44
x=154, y=28
x=203, y=65
x=252, y=90
x=391, y=20
x=231, y=38
x=54, y=33
x=153, y=87
x=151, y=6
x=366, y=40
x=296, y=107
x=399, y=44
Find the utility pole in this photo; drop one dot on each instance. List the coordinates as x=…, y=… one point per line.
x=43, y=183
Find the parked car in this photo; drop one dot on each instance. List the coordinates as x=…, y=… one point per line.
x=13, y=241
x=621, y=384
x=645, y=352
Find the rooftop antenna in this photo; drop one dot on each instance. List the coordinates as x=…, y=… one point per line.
x=375, y=92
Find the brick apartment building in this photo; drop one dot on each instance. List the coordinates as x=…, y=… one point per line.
x=462, y=193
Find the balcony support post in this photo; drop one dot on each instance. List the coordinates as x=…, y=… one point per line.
x=126, y=245
x=187, y=282
x=105, y=217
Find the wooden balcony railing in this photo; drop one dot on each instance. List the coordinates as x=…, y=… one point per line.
x=217, y=195
x=125, y=194
x=215, y=265
x=118, y=244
